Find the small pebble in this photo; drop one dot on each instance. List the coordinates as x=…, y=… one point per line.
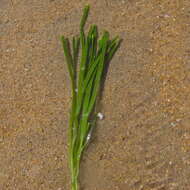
x=173, y=124
x=166, y=16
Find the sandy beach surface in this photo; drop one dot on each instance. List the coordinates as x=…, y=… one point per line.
x=143, y=142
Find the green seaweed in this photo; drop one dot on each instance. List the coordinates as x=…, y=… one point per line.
x=85, y=81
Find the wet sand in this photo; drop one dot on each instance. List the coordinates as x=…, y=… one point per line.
x=143, y=143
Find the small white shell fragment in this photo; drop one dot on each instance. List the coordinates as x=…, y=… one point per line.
x=88, y=137
x=100, y=116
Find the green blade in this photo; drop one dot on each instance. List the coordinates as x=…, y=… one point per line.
x=84, y=17
x=112, y=50
x=99, y=72
x=68, y=56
